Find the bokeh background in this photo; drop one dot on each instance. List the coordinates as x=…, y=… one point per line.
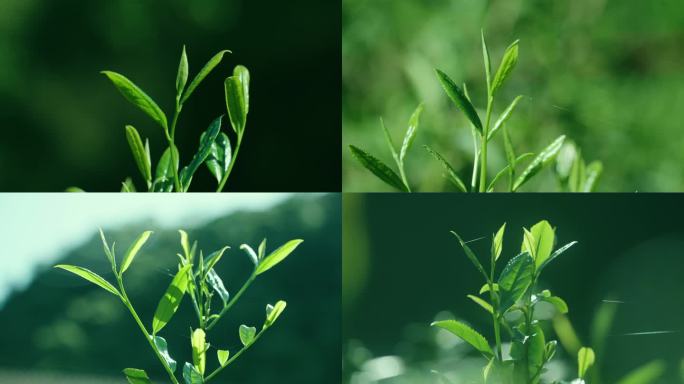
x=607, y=73
x=59, y=328
x=63, y=122
x=402, y=269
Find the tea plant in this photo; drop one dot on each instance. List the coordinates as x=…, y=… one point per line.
x=215, y=148
x=512, y=300
x=196, y=277
x=482, y=134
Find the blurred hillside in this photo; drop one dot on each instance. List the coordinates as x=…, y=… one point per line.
x=606, y=73
x=63, y=324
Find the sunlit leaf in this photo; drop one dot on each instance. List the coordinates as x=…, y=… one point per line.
x=540, y=242
x=410, y=132
x=460, y=100
x=182, y=75
x=206, y=140
x=133, y=250
x=199, y=349
x=497, y=242
x=136, y=376
x=247, y=334
x=466, y=334
x=273, y=312
x=482, y=303
x=137, y=97
x=510, y=59
x=208, y=67
x=585, y=359
x=378, y=168
x=223, y=356
x=171, y=300
x=277, y=256
x=543, y=159
x=90, y=276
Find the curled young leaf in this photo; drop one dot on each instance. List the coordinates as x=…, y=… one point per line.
x=510, y=59
x=223, y=356
x=250, y=252
x=182, y=76
x=204, y=72
x=378, y=168
x=137, y=97
x=459, y=99
x=90, y=276
x=163, y=349
x=217, y=284
x=237, y=98
x=273, y=312
x=277, y=256
x=247, y=334
x=171, y=300
x=133, y=251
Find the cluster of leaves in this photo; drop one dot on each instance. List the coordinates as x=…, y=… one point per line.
x=512, y=300
x=215, y=148
x=482, y=134
x=197, y=278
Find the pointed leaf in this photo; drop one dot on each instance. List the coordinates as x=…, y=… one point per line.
x=482, y=303
x=208, y=67
x=136, y=376
x=191, y=375
x=277, y=256
x=171, y=300
x=217, y=284
x=163, y=349
x=206, y=140
x=163, y=176
x=139, y=153
x=223, y=356
x=450, y=172
x=585, y=359
x=133, y=250
x=497, y=242
x=247, y=334
x=199, y=349
x=540, y=242
x=273, y=312
x=214, y=258
x=592, y=175
x=388, y=139
x=250, y=252
x=90, y=276
x=459, y=98
x=505, y=115
x=127, y=186
x=237, y=98
x=515, y=279
x=220, y=156
x=137, y=97
x=410, y=132
x=182, y=75
x=555, y=254
x=262, y=249
x=543, y=159
x=471, y=256
x=379, y=169
x=467, y=334
x=487, y=61
x=510, y=59
x=110, y=255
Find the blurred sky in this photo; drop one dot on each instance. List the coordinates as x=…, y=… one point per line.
x=38, y=228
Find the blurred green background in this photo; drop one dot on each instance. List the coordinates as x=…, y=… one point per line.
x=61, y=329
x=63, y=122
x=606, y=73
x=402, y=268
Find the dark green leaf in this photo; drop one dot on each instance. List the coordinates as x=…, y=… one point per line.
x=515, y=279
x=555, y=254
x=510, y=59
x=379, y=169
x=544, y=158
x=140, y=154
x=219, y=156
x=410, y=132
x=460, y=100
x=450, y=172
x=208, y=67
x=277, y=256
x=136, y=376
x=247, y=334
x=163, y=349
x=466, y=334
x=90, y=276
x=505, y=115
x=536, y=352
x=217, y=284
x=137, y=97
x=206, y=140
x=171, y=300
x=133, y=250
x=237, y=98
x=471, y=256
x=191, y=375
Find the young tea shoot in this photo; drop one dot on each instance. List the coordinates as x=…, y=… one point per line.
x=209, y=298
x=511, y=300
x=215, y=150
x=483, y=132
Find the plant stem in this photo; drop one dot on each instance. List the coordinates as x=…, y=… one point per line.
x=243, y=349
x=476, y=157
x=232, y=162
x=128, y=305
x=232, y=301
x=170, y=139
x=403, y=177
x=495, y=317
x=483, y=151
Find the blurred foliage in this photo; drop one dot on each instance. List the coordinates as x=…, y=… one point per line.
x=66, y=324
x=63, y=124
x=606, y=73
x=399, y=270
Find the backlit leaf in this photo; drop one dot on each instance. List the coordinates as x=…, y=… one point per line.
x=182, y=75
x=585, y=359
x=277, y=256
x=247, y=334
x=90, y=276
x=208, y=67
x=466, y=334
x=137, y=97
x=223, y=356
x=541, y=243
x=459, y=99
x=199, y=349
x=482, y=303
x=136, y=376
x=133, y=250
x=273, y=312
x=515, y=278
x=497, y=242
x=171, y=300
x=410, y=132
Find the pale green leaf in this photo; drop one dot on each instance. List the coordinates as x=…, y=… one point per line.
x=133, y=251
x=171, y=300
x=90, y=276
x=247, y=334
x=277, y=256
x=466, y=334
x=208, y=67
x=137, y=97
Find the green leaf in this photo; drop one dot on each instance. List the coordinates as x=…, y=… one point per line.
x=482, y=303
x=136, y=376
x=247, y=334
x=466, y=334
x=277, y=256
x=163, y=175
x=536, y=352
x=487, y=61
x=223, y=356
x=515, y=278
x=510, y=59
x=171, y=300
x=557, y=302
x=237, y=98
x=185, y=244
x=410, y=132
x=110, y=255
x=199, y=349
x=182, y=76
x=206, y=140
x=214, y=258
x=208, y=67
x=379, y=169
x=90, y=276
x=140, y=154
x=505, y=115
x=592, y=175
x=471, y=256
x=220, y=156
x=262, y=249
x=585, y=359
x=137, y=97
x=459, y=98
x=217, y=284
x=541, y=242
x=163, y=349
x=510, y=157
x=555, y=254
x=645, y=374
x=506, y=170
x=133, y=250
x=273, y=312
x=127, y=185
x=450, y=172
x=543, y=159
x=191, y=375
x=497, y=242
x=485, y=288
x=250, y=252
x=388, y=139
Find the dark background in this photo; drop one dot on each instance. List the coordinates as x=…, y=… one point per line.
x=407, y=267
x=63, y=122
x=62, y=323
